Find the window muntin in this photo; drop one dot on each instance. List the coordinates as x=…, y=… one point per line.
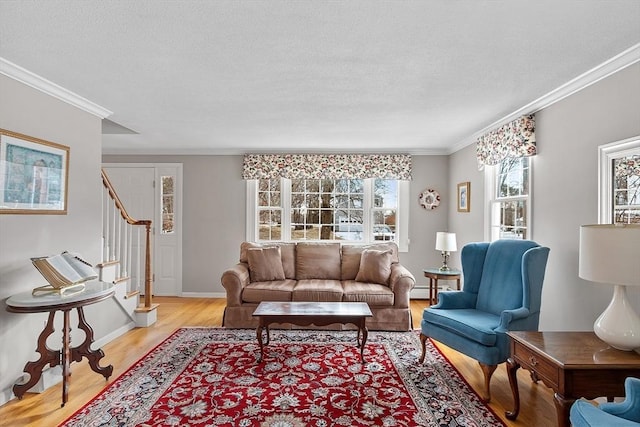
x=626, y=191
x=269, y=209
x=168, y=202
x=327, y=209
x=385, y=208
x=510, y=204
x=354, y=210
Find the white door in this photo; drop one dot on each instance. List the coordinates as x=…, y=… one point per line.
x=154, y=191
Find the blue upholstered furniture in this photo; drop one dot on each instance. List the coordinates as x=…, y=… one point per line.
x=626, y=413
x=502, y=292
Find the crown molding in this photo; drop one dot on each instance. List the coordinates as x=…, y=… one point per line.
x=22, y=75
x=607, y=68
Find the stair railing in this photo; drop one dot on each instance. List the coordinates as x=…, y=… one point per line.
x=121, y=242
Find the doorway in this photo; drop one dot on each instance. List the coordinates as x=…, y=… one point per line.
x=154, y=191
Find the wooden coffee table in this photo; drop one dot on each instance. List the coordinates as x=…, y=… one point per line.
x=573, y=364
x=313, y=313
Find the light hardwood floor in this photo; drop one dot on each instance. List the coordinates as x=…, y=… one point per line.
x=537, y=409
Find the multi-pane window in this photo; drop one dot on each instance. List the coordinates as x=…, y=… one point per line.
x=327, y=209
x=510, y=202
x=269, y=209
x=168, y=204
x=626, y=190
x=385, y=208
x=356, y=210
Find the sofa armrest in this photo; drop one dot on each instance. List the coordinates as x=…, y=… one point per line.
x=234, y=280
x=401, y=282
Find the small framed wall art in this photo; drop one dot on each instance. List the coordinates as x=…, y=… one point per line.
x=464, y=197
x=33, y=175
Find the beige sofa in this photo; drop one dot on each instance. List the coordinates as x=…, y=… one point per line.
x=320, y=272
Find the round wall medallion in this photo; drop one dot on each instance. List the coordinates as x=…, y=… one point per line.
x=429, y=199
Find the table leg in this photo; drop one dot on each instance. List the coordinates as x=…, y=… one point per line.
x=430, y=291
x=563, y=407
x=84, y=349
x=362, y=328
x=259, y=336
x=512, y=368
x=66, y=357
x=47, y=356
x=435, y=291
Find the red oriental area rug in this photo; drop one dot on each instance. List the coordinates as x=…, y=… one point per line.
x=211, y=377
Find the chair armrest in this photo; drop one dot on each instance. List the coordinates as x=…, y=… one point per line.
x=453, y=300
x=584, y=414
x=234, y=280
x=508, y=316
x=401, y=282
x=628, y=409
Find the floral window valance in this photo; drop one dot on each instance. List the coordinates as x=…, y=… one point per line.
x=627, y=167
x=513, y=140
x=327, y=166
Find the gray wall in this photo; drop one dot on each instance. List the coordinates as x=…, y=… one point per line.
x=565, y=191
x=31, y=112
x=564, y=197
x=214, y=207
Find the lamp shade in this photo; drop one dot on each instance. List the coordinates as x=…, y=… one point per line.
x=610, y=254
x=446, y=242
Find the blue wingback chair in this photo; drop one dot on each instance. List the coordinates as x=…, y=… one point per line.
x=502, y=292
x=626, y=413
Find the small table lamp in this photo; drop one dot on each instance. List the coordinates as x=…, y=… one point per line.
x=446, y=243
x=610, y=254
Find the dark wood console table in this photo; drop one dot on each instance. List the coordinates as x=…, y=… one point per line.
x=27, y=303
x=573, y=364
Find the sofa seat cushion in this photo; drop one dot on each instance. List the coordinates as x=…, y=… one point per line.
x=277, y=290
x=473, y=324
x=374, y=294
x=317, y=290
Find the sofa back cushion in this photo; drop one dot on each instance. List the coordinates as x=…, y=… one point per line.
x=351, y=255
x=265, y=264
x=318, y=261
x=287, y=253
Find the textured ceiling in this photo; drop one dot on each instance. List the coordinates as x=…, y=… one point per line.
x=228, y=77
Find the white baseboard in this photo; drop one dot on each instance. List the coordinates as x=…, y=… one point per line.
x=113, y=335
x=419, y=292
x=204, y=295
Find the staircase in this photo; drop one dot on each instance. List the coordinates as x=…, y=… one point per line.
x=126, y=258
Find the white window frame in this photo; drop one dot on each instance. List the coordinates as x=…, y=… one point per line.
x=402, y=213
x=606, y=154
x=492, y=200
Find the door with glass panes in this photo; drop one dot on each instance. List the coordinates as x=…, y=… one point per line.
x=154, y=191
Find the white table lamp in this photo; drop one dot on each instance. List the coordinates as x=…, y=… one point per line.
x=445, y=243
x=611, y=254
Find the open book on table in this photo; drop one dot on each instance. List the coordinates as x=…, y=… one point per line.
x=63, y=271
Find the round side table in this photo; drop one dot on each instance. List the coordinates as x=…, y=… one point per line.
x=435, y=274
x=26, y=302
